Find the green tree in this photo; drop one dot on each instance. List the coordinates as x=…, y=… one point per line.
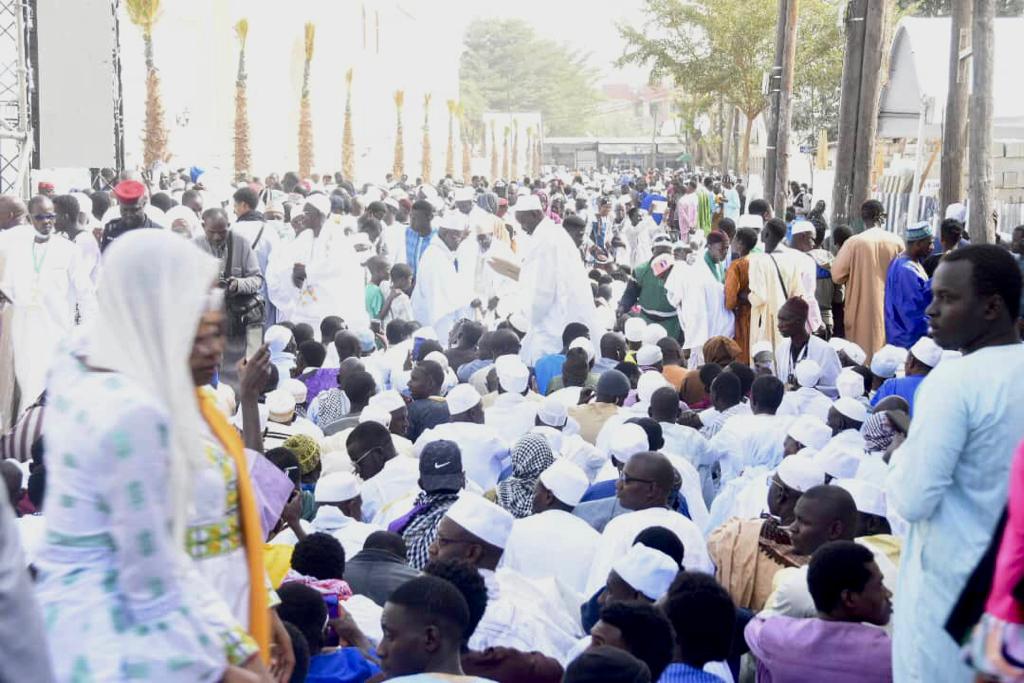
x=725, y=47
x=506, y=67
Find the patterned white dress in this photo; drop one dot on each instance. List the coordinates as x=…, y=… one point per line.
x=119, y=603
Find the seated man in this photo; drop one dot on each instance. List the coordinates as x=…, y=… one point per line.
x=699, y=641
x=924, y=355
x=379, y=568
x=427, y=408
x=639, y=629
x=844, y=643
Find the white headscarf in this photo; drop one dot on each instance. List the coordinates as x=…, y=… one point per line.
x=152, y=290
x=186, y=214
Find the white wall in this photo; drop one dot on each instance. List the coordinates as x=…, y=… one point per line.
x=197, y=55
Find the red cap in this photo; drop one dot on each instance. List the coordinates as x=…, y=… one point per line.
x=129, y=190
x=44, y=185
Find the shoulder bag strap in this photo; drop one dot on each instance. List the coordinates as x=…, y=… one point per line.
x=778, y=271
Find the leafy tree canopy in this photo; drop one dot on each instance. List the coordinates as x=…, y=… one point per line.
x=943, y=8
x=506, y=67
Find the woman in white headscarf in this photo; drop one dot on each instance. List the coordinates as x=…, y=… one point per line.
x=183, y=221
x=120, y=596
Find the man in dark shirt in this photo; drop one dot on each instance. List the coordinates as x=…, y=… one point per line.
x=379, y=568
x=131, y=200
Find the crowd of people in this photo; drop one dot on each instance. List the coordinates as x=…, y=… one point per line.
x=597, y=426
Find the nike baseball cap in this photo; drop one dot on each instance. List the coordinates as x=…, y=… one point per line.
x=441, y=467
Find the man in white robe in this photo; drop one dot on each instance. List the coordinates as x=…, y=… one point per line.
x=700, y=300
x=644, y=487
x=47, y=280
x=757, y=439
x=477, y=258
x=554, y=286
x=798, y=345
x=524, y=614
x=440, y=296
x=774, y=278
x=552, y=541
x=318, y=273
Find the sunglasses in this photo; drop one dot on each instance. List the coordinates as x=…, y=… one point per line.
x=44, y=216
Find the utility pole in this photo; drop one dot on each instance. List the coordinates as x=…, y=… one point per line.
x=774, y=93
x=784, y=113
x=858, y=107
x=954, y=126
x=654, y=134
x=982, y=41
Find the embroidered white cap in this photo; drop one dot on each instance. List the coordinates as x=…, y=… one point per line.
x=647, y=570
x=336, y=487
x=461, y=398
x=566, y=481
x=482, y=518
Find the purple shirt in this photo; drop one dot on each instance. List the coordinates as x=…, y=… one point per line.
x=319, y=380
x=804, y=650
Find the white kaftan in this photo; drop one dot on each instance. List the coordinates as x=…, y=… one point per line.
x=440, y=297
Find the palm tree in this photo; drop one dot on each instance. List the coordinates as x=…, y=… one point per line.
x=467, y=173
x=449, y=156
x=494, y=154
x=398, y=167
x=348, y=145
x=504, y=155
x=243, y=153
x=426, y=139
x=144, y=14
x=305, y=109
x=515, y=150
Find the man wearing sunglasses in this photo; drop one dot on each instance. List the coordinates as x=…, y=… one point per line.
x=49, y=286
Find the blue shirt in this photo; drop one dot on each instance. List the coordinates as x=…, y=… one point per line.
x=606, y=489
x=646, y=205
x=546, y=369
x=415, y=245
x=346, y=665
x=899, y=386
x=908, y=293
x=677, y=672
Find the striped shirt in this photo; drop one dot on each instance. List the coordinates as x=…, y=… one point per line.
x=17, y=443
x=677, y=672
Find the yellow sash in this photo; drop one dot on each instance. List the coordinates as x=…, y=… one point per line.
x=252, y=532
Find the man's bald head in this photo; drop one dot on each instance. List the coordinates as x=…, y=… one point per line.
x=823, y=513
x=12, y=211
x=655, y=467
x=665, y=405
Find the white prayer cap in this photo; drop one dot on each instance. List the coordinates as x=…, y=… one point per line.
x=297, y=389
x=873, y=469
x=519, y=322
x=566, y=481
x=807, y=372
x=628, y=439
x=849, y=384
x=513, y=375
x=761, y=347
x=336, y=487
x=375, y=414
x=388, y=401
x=839, y=459
x=585, y=344
x=584, y=455
x=927, y=351
x=855, y=353
x=956, y=210
x=869, y=498
x=650, y=382
x=851, y=408
x=455, y=221
x=654, y=333
x=887, y=360
x=464, y=194
x=810, y=431
x=335, y=461
x=482, y=518
x=634, y=329
x=461, y=398
x=553, y=412
x=800, y=473
x=647, y=570
x=438, y=358
x=264, y=416
x=553, y=436
x=528, y=202
x=801, y=226
x=320, y=202
x=280, y=405
x=749, y=220
x=649, y=354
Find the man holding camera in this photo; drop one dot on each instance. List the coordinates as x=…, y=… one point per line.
x=241, y=279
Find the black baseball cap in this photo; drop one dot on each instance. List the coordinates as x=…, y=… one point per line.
x=441, y=467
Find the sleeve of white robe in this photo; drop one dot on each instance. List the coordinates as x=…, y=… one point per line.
x=282, y=292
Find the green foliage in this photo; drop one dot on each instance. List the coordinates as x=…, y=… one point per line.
x=506, y=67
x=819, y=70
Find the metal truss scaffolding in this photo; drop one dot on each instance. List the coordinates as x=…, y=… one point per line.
x=16, y=140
